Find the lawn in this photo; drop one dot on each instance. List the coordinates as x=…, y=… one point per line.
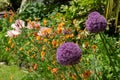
x=11, y=72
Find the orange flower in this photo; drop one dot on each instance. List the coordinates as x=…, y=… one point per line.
x=35, y=34
x=94, y=47
x=54, y=43
x=61, y=24
x=38, y=38
x=85, y=45
x=49, y=68
x=63, y=77
x=59, y=30
x=87, y=74
x=5, y=15
x=73, y=76
x=54, y=70
x=42, y=55
x=35, y=66
x=44, y=31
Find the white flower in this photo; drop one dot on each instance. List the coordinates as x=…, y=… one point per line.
x=13, y=33
x=18, y=24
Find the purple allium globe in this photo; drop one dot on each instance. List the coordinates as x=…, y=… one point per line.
x=69, y=53
x=95, y=22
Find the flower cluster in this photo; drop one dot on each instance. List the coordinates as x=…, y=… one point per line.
x=43, y=31
x=16, y=28
x=68, y=53
x=95, y=22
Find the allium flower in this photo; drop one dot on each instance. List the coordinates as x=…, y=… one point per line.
x=68, y=53
x=18, y=24
x=95, y=22
x=13, y=33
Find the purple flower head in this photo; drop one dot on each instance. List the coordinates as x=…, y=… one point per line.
x=93, y=14
x=95, y=22
x=69, y=53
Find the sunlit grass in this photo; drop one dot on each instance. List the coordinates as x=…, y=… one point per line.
x=11, y=73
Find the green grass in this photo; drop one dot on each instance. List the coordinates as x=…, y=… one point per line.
x=11, y=73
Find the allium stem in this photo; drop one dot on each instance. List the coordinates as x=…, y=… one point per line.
x=108, y=54
x=79, y=78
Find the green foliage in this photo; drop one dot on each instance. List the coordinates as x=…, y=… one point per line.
x=78, y=9
x=36, y=10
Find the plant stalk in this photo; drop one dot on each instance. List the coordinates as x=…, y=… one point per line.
x=79, y=78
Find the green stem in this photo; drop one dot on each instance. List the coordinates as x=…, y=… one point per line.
x=79, y=78
x=108, y=55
